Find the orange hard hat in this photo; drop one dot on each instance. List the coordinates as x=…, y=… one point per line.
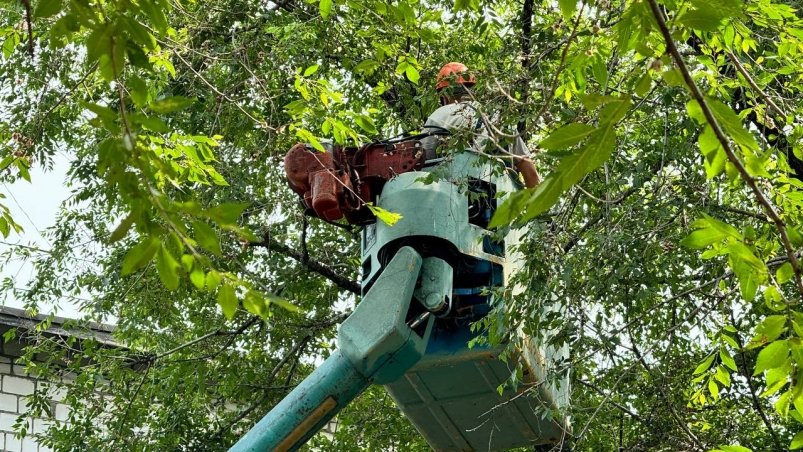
x=458, y=72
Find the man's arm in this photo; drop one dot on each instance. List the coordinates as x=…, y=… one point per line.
x=524, y=164
x=526, y=167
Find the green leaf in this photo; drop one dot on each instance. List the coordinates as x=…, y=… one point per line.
x=227, y=300
x=412, y=74
x=198, y=277
x=734, y=448
x=99, y=42
x=726, y=359
x=140, y=255
x=122, y=229
x=749, y=269
x=156, y=13
x=325, y=7
x=643, y=85
x=773, y=299
x=6, y=162
x=732, y=125
x=612, y=112
x=570, y=170
x=704, y=19
x=366, y=124
x=713, y=388
x=212, y=280
x=784, y=273
x=386, y=216
x=139, y=33
x=776, y=380
x=206, y=237
x=511, y=207
x=138, y=90
x=705, y=365
x=567, y=8
x=47, y=8
x=367, y=66
x=566, y=136
x=171, y=104
x=254, y=303
x=782, y=405
x=673, y=77
x=797, y=441
x=592, y=101
x=105, y=114
x=711, y=148
x=768, y=330
x=188, y=262
x=311, y=70
x=723, y=376
x=283, y=303
x=772, y=356
x=168, y=267
x=308, y=137
x=708, y=231
x=111, y=64
x=724, y=8
x=227, y=213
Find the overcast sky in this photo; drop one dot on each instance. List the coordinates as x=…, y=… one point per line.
x=34, y=207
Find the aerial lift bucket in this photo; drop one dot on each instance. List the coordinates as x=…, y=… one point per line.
x=456, y=395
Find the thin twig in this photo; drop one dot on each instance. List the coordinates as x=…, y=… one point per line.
x=219, y=332
x=553, y=86
x=681, y=423
x=753, y=85
x=293, y=352
x=745, y=372
x=318, y=267
x=40, y=125
x=214, y=89
x=621, y=407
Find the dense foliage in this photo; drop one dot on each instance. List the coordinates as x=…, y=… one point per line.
x=668, y=226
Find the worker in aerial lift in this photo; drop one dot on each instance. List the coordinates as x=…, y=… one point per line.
x=460, y=113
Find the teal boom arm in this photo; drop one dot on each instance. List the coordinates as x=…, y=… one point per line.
x=376, y=344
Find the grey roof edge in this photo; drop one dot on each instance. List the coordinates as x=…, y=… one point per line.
x=19, y=318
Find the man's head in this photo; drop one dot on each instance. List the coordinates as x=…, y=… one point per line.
x=452, y=82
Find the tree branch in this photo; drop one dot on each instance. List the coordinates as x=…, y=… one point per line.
x=621, y=407
x=29, y=25
x=553, y=86
x=753, y=85
x=723, y=140
x=527, y=11
x=315, y=266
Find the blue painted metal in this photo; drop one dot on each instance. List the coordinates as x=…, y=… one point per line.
x=375, y=344
x=316, y=400
x=451, y=395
